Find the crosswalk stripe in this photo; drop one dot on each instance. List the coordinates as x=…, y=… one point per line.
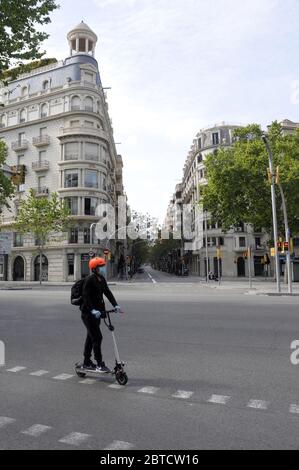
x=150, y=390
x=294, y=408
x=258, y=404
x=39, y=373
x=5, y=421
x=119, y=445
x=75, y=438
x=63, y=377
x=116, y=386
x=219, y=399
x=87, y=381
x=36, y=430
x=16, y=369
x=182, y=394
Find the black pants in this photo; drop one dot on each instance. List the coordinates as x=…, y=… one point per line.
x=93, y=339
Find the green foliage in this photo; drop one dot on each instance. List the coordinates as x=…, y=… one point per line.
x=238, y=188
x=41, y=216
x=19, y=37
x=26, y=68
x=162, y=247
x=6, y=186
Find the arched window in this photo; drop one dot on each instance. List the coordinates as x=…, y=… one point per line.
x=44, y=110
x=88, y=103
x=75, y=103
x=22, y=115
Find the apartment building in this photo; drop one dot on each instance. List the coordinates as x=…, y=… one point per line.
x=56, y=125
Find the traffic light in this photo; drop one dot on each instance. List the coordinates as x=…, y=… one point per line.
x=279, y=246
x=285, y=246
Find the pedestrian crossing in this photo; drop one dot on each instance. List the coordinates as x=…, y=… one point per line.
x=191, y=396
x=72, y=439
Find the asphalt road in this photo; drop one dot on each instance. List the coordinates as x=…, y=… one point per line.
x=207, y=369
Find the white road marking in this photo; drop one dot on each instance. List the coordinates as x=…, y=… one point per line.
x=5, y=421
x=63, y=377
x=116, y=386
x=119, y=445
x=75, y=438
x=87, y=381
x=16, y=369
x=36, y=430
x=182, y=394
x=219, y=399
x=150, y=390
x=294, y=408
x=39, y=373
x=151, y=278
x=258, y=404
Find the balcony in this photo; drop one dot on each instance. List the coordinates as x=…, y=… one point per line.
x=41, y=140
x=82, y=130
x=75, y=108
x=88, y=109
x=41, y=191
x=20, y=145
x=40, y=165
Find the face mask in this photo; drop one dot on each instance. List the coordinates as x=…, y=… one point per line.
x=101, y=270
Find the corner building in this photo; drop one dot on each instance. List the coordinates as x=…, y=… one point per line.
x=56, y=125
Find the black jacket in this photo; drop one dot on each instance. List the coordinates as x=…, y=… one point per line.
x=93, y=290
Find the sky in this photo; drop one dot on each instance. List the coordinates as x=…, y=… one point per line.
x=178, y=66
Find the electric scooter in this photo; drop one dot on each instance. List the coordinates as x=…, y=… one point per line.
x=118, y=371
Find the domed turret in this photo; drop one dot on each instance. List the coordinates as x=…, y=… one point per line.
x=82, y=40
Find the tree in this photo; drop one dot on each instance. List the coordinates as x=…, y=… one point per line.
x=41, y=217
x=19, y=38
x=6, y=186
x=237, y=187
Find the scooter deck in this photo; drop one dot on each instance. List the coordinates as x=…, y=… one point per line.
x=81, y=370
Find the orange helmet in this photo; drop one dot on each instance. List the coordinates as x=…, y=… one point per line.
x=95, y=262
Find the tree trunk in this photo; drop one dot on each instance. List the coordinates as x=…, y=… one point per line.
x=40, y=264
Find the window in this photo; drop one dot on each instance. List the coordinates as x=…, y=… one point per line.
x=86, y=232
x=242, y=242
x=22, y=115
x=21, y=137
x=71, y=264
x=73, y=235
x=82, y=45
x=43, y=131
x=72, y=204
x=41, y=182
x=215, y=138
x=88, y=104
x=24, y=91
x=18, y=240
x=90, y=205
x=91, y=179
x=71, y=151
x=75, y=123
x=91, y=151
x=220, y=241
x=42, y=155
x=44, y=110
x=258, y=243
x=199, y=143
x=75, y=103
x=199, y=158
x=71, y=179
x=46, y=85
x=296, y=242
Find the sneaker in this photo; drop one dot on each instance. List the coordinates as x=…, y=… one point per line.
x=101, y=367
x=89, y=365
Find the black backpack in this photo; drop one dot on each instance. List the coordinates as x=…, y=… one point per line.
x=76, y=293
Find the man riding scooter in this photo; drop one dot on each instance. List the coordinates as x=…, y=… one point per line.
x=92, y=309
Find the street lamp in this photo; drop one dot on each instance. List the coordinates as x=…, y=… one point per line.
x=275, y=230
x=206, y=238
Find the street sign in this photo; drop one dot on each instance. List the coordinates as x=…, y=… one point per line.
x=106, y=252
x=5, y=243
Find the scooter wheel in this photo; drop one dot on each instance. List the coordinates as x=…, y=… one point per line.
x=80, y=374
x=121, y=377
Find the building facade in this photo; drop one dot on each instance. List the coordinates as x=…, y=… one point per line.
x=208, y=241
x=56, y=125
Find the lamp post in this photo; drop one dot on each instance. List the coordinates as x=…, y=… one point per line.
x=287, y=238
x=206, y=238
x=275, y=230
